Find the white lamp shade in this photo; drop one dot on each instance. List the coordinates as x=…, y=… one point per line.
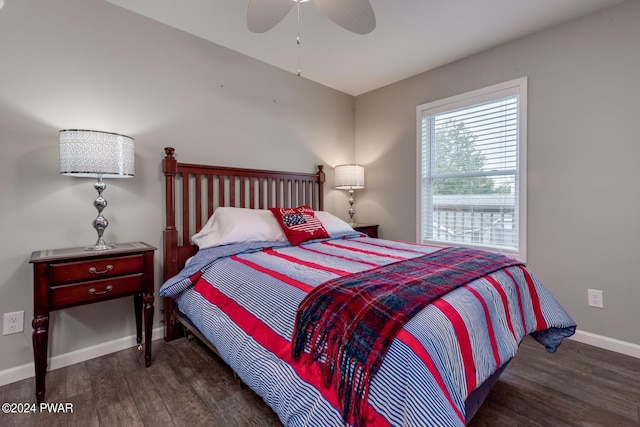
x=349, y=176
x=90, y=154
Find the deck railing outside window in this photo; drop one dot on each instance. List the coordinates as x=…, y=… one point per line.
x=485, y=227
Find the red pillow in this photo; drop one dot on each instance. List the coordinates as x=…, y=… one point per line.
x=299, y=224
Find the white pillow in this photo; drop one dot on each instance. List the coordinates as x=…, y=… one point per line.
x=333, y=224
x=235, y=225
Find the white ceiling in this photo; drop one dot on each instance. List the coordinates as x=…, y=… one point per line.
x=412, y=36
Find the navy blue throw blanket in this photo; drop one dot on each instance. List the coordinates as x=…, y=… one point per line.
x=350, y=322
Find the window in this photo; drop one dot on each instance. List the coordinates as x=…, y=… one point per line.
x=472, y=169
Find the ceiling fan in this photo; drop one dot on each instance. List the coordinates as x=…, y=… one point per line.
x=354, y=15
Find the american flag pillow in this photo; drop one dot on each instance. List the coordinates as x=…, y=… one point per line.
x=299, y=224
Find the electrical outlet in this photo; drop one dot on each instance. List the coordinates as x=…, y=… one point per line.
x=13, y=322
x=595, y=298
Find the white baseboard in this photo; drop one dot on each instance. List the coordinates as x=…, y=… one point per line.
x=22, y=372
x=612, y=344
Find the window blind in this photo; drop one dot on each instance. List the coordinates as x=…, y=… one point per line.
x=470, y=169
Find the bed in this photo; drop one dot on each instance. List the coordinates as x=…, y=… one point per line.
x=241, y=297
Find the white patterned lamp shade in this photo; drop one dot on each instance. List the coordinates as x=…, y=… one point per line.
x=89, y=153
x=349, y=177
x=95, y=154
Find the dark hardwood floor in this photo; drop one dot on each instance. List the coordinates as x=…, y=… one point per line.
x=187, y=385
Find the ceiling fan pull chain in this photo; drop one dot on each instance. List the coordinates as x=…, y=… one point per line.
x=298, y=37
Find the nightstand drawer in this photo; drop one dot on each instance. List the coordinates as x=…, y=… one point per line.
x=95, y=269
x=88, y=292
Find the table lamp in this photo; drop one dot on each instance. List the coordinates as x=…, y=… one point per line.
x=96, y=154
x=349, y=177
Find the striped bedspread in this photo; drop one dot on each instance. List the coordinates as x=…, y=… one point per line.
x=244, y=299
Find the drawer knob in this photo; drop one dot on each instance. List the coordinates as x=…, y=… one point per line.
x=93, y=291
x=93, y=270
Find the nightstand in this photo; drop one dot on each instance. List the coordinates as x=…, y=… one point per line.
x=370, y=230
x=64, y=278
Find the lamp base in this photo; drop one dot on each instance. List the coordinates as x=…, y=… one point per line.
x=351, y=210
x=99, y=247
x=100, y=223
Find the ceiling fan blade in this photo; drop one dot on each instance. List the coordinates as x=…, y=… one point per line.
x=263, y=15
x=354, y=15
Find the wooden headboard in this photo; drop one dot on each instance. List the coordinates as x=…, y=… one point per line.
x=194, y=191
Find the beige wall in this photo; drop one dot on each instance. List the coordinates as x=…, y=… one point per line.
x=90, y=64
x=583, y=151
